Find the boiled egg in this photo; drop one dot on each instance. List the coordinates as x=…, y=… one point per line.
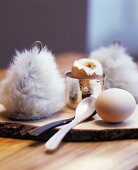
x=115, y=105
x=86, y=69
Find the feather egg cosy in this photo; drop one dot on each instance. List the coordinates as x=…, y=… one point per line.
x=33, y=87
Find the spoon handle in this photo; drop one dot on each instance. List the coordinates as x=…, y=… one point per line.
x=53, y=143
x=43, y=129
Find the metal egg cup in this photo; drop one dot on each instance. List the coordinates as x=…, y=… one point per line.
x=78, y=89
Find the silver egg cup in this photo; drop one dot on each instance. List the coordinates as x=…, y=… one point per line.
x=78, y=89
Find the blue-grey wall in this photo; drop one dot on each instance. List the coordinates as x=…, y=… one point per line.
x=109, y=20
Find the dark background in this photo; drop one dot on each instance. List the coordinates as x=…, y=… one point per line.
x=59, y=24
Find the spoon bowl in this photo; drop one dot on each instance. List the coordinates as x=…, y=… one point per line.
x=85, y=108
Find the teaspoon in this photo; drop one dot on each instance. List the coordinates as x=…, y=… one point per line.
x=84, y=110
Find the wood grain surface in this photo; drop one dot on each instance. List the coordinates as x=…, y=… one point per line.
x=31, y=155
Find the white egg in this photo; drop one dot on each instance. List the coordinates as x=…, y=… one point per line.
x=115, y=105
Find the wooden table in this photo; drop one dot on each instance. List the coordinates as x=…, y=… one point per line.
x=31, y=155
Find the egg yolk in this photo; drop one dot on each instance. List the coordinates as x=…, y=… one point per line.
x=90, y=65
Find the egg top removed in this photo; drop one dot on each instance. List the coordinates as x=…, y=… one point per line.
x=85, y=68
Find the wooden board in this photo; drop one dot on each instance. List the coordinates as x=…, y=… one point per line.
x=91, y=130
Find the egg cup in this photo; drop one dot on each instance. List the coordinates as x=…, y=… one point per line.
x=78, y=89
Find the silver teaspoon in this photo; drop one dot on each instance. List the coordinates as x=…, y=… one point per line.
x=84, y=110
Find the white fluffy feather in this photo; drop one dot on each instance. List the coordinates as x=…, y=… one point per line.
x=119, y=67
x=33, y=87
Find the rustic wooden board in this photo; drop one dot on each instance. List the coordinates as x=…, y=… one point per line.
x=91, y=130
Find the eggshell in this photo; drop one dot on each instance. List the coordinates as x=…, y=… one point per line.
x=87, y=69
x=115, y=105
